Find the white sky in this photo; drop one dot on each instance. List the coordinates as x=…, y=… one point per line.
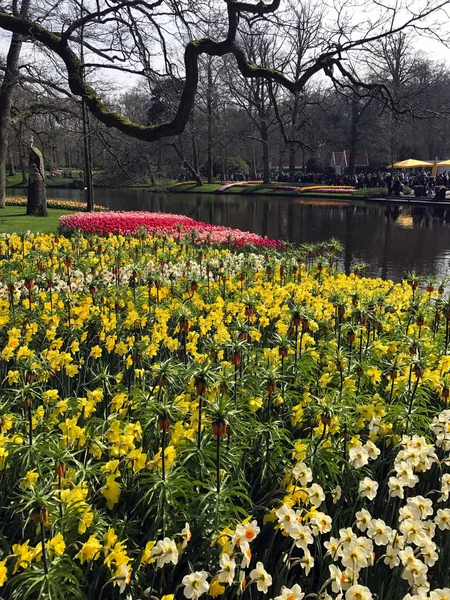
x=428, y=47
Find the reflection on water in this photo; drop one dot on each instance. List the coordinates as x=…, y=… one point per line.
x=392, y=239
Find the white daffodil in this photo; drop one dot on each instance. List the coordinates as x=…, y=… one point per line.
x=293, y=593
x=358, y=592
x=246, y=532
x=321, y=523
x=307, y=562
x=336, y=494
x=363, y=519
x=429, y=554
x=391, y=557
x=354, y=557
x=396, y=488
x=368, y=488
x=336, y=579
x=228, y=569
x=261, y=577
x=347, y=536
x=195, y=584
x=421, y=507
x=186, y=534
x=442, y=518
x=303, y=537
x=286, y=517
x=440, y=594
x=302, y=474
x=413, y=531
x=316, y=495
x=165, y=551
x=124, y=576
x=372, y=450
x=246, y=554
x=359, y=457
x=333, y=547
x=379, y=532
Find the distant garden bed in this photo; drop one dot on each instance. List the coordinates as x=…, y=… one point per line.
x=55, y=203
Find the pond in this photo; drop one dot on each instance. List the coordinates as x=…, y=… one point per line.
x=391, y=239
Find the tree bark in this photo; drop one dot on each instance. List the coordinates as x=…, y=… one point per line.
x=23, y=168
x=353, y=136
x=10, y=79
x=12, y=169
x=209, y=114
x=87, y=153
x=292, y=154
x=265, y=151
x=189, y=167
x=6, y=91
x=37, y=201
x=194, y=146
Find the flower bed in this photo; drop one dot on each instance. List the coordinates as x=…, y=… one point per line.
x=185, y=422
x=55, y=203
x=129, y=223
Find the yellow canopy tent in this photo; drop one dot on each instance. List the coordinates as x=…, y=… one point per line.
x=444, y=163
x=410, y=163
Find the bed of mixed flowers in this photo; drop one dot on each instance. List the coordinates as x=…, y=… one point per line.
x=54, y=203
x=129, y=223
x=197, y=421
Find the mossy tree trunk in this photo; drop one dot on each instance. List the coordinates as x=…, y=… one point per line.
x=37, y=200
x=10, y=79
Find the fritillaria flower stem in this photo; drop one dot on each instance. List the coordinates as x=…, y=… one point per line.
x=163, y=453
x=296, y=341
x=412, y=396
x=60, y=499
x=30, y=423
x=447, y=321
x=392, y=389
x=368, y=336
x=218, y=462
x=44, y=549
x=339, y=327
x=199, y=431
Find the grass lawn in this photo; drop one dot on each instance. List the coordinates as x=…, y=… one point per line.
x=189, y=186
x=14, y=220
x=16, y=180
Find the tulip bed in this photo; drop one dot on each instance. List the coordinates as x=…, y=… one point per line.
x=129, y=223
x=184, y=420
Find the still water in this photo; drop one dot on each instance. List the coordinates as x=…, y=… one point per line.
x=391, y=239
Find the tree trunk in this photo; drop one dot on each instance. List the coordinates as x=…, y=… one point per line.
x=353, y=137
x=194, y=146
x=209, y=114
x=265, y=151
x=189, y=167
x=37, y=201
x=12, y=169
x=23, y=168
x=253, y=173
x=10, y=79
x=280, y=163
x=292, y=154
x=87, y=151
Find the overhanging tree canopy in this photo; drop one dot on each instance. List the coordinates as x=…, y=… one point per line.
x=137, y=17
